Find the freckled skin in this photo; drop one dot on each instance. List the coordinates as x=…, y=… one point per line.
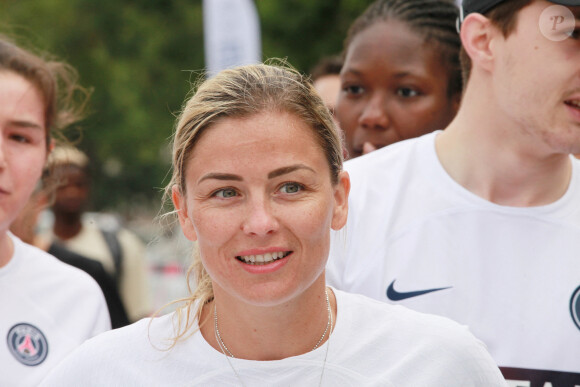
x=254, y=211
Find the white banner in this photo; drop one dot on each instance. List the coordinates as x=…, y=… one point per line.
x=231, y=34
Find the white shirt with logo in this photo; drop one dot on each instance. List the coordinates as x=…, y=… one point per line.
x=417, y=238
x=373, y=344
x=47, y=308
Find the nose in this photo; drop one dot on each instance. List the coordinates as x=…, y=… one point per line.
x=260, y=220
x=374, y=115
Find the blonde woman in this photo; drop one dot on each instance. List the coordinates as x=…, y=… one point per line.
x=258, y=183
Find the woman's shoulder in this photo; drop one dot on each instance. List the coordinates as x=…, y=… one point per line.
x=113, y=344
x=408, y=340
x=382, y=322
x=149, y=333
x=368, y=311
x=118, y=351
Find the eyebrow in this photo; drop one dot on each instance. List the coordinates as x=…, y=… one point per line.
x=26, y=124
x=351, y=71
x=271, y=175
x=220, y=176
x=286, y=170
x=408, y=74
x=397, y=75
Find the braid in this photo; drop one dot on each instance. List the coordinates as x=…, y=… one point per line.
x=434, y=20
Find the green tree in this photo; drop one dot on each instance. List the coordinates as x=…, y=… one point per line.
x=140, y=58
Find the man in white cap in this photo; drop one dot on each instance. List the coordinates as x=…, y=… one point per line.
x=481, y=222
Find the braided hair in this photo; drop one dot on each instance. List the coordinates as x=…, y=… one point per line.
x=434, y=20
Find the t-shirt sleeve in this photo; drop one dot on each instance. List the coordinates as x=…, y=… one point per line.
x=463, y=360
x=102, y=318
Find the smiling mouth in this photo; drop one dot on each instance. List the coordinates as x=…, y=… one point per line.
x=573, y=103
x=263, y=259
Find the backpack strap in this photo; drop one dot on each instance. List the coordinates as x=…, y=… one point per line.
x=115, y=249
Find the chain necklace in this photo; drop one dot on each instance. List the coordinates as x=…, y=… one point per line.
x=229, y=354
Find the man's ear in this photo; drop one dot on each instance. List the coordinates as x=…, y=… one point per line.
x=341, y=191
x=180, y=204
x=477, y=37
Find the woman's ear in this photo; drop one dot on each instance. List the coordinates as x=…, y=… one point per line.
x=341, y=191
x=180, y=204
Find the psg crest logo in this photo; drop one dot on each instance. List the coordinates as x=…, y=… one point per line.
x=27, y=344
x=575, y=307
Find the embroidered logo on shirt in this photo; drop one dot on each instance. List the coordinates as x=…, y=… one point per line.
x=27, y=344
x=575, y=307
x=394, y=295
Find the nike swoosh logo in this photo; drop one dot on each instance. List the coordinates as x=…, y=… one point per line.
x=393, y=295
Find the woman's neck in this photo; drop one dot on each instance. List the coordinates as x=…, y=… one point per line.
x=273, y=332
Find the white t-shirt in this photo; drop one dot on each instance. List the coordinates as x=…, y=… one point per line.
x=373, y=344
x=47, y=308
x=417, y=238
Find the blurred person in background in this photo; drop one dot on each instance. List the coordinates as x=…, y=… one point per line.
x=47, y=307
x=401, y=77
x=91, y=235
x=325, y=77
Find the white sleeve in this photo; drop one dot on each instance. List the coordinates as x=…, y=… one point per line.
x=89, y=307
x=461, y=360
x=102, y=317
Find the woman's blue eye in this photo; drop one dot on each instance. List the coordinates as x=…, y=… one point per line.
x=225, y=193
x=407, y=92
x=291, y=188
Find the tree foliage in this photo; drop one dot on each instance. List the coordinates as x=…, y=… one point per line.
x=140, y=57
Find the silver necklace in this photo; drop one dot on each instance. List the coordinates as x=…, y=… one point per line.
x=328, y=324
x=229, y=354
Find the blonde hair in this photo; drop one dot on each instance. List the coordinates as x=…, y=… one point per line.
x=239, y=93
